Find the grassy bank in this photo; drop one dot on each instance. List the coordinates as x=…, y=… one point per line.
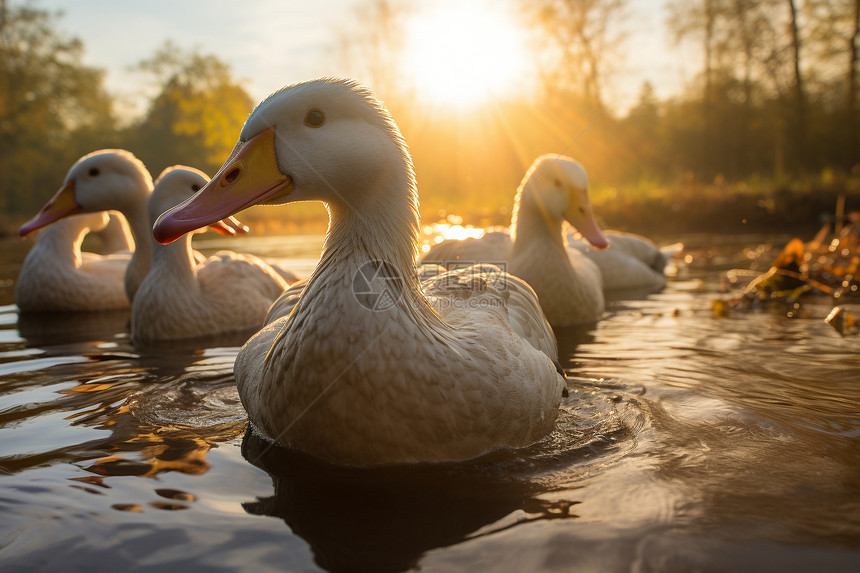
x=727, y=208
x=798, y=207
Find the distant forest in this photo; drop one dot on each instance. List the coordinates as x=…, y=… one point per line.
x=771, y=117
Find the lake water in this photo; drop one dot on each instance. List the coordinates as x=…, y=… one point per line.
x=688, y=442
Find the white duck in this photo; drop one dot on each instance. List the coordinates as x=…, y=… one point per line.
x=105, y=180
x=568, y=284
x=363, y=371
x=58, y=276
x=181, y=298
x=116, y=180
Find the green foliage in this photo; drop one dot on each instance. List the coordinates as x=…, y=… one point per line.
x=196, y=117
x=52, y=107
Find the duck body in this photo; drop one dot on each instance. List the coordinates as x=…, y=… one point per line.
x=57, y=276
x=363, y=371
x=184, y=298
x=632, y=262
x=451, y=290
x=359, y=386
x=568, y=284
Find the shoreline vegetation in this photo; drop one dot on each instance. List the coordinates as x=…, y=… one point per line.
x=799, y=208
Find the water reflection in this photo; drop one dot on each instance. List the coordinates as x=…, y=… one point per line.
x=386, y=519
x=686, y=441
x=135, y=412
x=57, y=328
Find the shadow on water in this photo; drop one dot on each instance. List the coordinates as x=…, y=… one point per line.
x=569, y=338
x=385, y=519
x=55, y=328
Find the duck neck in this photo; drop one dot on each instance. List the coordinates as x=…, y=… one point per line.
x=175, y=260
x=533, y=226
x=141, y=259
x=370, y=252
x=360, y=237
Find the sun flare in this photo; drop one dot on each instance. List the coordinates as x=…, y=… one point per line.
x=463, y=54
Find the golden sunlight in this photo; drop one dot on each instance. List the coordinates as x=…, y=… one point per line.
x=450, y=229
x=462, y=54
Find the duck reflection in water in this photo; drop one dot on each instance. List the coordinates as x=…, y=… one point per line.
x=57, y=328
x=385, y=519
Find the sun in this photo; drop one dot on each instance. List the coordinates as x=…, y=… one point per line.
x=462, y=54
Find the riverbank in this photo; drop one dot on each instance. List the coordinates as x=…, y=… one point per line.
x=798, y=207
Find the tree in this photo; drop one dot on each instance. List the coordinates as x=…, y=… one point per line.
x=580, y=41
x=52, y=107
x=754, y=88
x=196, y=116
x=799, y=89
x=643, y=137
x=834, y=40
x=852, y=104
x=371, y=47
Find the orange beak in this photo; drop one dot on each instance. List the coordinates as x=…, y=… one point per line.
x=249, y=176
x=61, y=205
x=581, y=215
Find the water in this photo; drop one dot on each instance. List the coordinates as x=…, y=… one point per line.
x=687, y=443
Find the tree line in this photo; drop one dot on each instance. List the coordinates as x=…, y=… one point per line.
x=775, y=98
x=54, y=109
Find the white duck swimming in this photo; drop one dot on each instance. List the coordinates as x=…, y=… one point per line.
x=106, y=180
x=116, y=180
x=364, y=371
x=568, y=284
x=181, y=298
x=58, y=276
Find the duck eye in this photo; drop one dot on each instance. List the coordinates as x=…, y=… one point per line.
x=557, y=182
x=94, y=171
x=195, y=187
x=314, y=118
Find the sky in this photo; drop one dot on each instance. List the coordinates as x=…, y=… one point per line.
x=272, y=43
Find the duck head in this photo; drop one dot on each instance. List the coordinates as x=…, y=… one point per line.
x=326, y=140
x=179, y=183
x=108, y=179
x=556, y=186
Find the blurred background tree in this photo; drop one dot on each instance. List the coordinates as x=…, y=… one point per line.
x=196, y=116
x=52, y=107
x=770, y=114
